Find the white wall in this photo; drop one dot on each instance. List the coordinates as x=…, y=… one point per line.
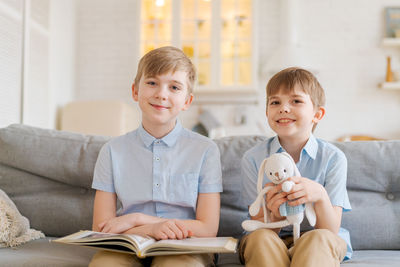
x=341, y=40
x=108, y=35
x=62, y=56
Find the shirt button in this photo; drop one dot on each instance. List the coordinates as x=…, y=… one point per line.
x=390, y=196
x=157, y=141
x=157, y=158
x=157, y=184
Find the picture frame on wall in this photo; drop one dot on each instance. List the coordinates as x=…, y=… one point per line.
x=392, y=22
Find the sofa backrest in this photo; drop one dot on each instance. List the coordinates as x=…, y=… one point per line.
x=48, y=175
x=232, y=212
x=373, y=184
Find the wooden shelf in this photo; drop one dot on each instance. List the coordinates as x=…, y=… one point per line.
x=391, y=42
x=390, y=86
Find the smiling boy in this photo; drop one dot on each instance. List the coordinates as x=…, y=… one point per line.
x=295, y=104
x=167, y=178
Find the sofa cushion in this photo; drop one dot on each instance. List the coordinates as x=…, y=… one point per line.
x=232, y=212
x=373, y=183
x=42, y=253
x=53, y=207
x=61, y=156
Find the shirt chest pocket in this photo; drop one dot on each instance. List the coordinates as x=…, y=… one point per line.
x=184, y=189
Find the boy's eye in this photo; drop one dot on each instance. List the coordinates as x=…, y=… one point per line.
x=297, y=101
x=274, y=102
x=175, y=88
x=151, y=83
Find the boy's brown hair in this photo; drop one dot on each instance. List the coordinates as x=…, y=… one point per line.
x=286, y=80
x=163, y=60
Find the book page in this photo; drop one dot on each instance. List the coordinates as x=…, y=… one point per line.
x=193, y=245
x=139, y=242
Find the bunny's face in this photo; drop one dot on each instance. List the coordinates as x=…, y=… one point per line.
x=278, y=168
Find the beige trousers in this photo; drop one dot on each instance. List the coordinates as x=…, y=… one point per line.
x=314, y=248
x=109, y=258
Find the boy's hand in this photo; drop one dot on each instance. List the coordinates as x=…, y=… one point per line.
x=274, y=198
x=119, y=224
x=305, y=190
x=169, y=229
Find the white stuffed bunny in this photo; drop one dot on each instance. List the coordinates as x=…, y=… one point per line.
x=279, y=167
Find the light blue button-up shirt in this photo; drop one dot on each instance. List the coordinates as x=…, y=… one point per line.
x=159, y=177
x=319, y=161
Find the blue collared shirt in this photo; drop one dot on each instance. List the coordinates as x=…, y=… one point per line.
x=319, y=161
x=159, y=177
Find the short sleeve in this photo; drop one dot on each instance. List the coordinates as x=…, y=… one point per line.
x=210, y=180
x=103, y=172
x=249, y=175
x=335, y=181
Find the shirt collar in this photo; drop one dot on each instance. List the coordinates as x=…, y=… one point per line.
x=310, y=148
x=170, y=139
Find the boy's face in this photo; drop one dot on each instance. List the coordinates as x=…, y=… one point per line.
x=292, y=114
x=161, y=98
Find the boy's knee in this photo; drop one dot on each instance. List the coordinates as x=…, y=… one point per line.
x=109, y=258
x=261, y=235
x=319, y=235
x=325, y=238
x=260, y=238
x=194, y=260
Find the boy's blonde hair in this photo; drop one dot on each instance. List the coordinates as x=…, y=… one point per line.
x=286, y=80
x=163, y=60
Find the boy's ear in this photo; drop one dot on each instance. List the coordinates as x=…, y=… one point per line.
x=188, y=102
x=319, y=114
x=135, y=92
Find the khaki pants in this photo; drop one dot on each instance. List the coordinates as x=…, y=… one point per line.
x=315, y=248
x=109, y=258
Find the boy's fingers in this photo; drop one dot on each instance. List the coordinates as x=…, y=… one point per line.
x=169, y=233
x=296, y=194
x=268, y=184
x=190, y=233
x=295, y=179
x=177, y=233
x=182, y=227
x=297, y=202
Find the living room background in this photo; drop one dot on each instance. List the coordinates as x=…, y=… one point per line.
x=93, y=50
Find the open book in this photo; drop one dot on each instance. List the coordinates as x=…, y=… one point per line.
x=147, y=246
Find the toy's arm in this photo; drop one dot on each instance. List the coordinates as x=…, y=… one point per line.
x=255, y=206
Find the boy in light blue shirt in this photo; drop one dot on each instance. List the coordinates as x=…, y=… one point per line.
x=295, y=103
x=167, y=178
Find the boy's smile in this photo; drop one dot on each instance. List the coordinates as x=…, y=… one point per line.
x=159, y=107
x=161, y=98
x=292, y=114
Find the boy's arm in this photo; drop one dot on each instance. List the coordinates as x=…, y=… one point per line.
x=305, y=190
x=329, y=199
x=205, y=225
x=104, y=208
x=207, y=216
x=328, y=216
x=105, y=219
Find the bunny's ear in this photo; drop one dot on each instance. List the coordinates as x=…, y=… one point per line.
x=261, y=175
x=296, y=170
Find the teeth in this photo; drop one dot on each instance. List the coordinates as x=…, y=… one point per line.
x=285, y=120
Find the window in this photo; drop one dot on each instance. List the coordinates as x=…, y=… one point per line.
x=216, y=35
x=24, y=62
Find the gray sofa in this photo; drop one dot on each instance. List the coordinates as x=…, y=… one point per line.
x=48, y=175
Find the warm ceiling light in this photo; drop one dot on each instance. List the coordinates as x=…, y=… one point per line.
x=160, y=2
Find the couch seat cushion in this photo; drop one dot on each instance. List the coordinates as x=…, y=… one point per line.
x=43, y=253
x=374, y=258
